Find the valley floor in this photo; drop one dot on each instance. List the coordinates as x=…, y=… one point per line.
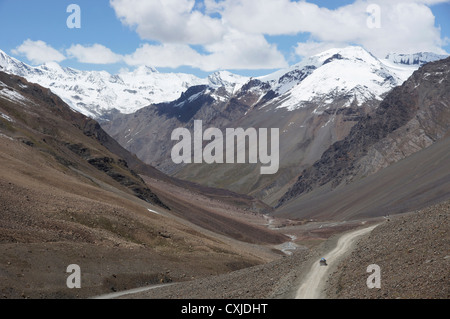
x=411, y=249
x=277, y=279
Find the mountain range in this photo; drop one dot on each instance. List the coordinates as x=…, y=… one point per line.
x=360, y=138
x=314, y=104
x=97, y=93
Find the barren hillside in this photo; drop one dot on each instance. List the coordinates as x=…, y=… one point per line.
x=68, y=195
x=412, y=252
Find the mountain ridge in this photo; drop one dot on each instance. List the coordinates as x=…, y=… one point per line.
x=419, y=58
x=307, y=126
x=98, y=93
x=314, y=103
x=412, y=118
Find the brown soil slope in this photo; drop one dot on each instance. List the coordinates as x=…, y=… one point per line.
x=412, y=253
x=66, y=199
x=415, y=182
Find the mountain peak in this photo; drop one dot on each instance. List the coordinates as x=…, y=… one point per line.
x=145, y=70
x=2, y=53
x=224, y=79
x=52, y=66
x=12, y=65
x=351, y=72
x=354, y=53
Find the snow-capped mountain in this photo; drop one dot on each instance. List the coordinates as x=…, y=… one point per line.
x=231, y=82
x=96, y=93
x=351, y=74
x=314, y=104
x=419, y=59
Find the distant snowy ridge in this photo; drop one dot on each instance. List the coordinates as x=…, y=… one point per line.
x=95, y=93
x=420, y=58
x=350, y=75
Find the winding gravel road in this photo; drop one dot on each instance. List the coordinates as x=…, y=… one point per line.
x=311, y=288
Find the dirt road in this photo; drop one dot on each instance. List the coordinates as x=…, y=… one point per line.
x=130, y=292
x=311, y=288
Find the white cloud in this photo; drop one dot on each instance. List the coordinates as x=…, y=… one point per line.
x=164, y=55
x=38, y=52
x=169, y=21
x=310, y=48
x=177, y=24
x=236, y=51
x=231, y=32
x=268, y=16
x=406, y=26
x=95, y=54
x=239, y=50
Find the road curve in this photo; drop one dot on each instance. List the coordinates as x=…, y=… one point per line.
x=311, y=287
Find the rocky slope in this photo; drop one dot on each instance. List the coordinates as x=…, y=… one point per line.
x=412, y=252
x=62, y=133
x=411, y=118
x=415, y=182
x=70, y=194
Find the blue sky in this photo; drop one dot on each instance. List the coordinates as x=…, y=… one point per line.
x=249, y=37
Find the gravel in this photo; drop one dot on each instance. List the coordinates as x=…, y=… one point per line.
x=412, y=251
